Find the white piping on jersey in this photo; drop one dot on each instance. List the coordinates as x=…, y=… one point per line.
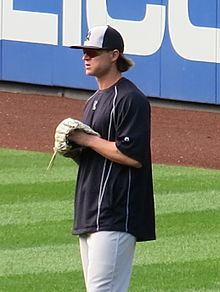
x=91, y=96
x=128, y=199
x=103, y=185
x=101, y=193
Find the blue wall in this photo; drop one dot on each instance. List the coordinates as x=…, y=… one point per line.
x=34, y=52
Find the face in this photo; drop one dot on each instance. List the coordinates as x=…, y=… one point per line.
x=98, y=62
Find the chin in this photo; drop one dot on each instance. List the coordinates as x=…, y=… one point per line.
x=89, y=73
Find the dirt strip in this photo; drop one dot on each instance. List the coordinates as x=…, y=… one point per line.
x=179, y=136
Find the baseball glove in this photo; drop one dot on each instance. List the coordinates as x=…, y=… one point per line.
x=62, y=145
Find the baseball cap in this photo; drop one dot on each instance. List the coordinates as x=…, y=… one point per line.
x=106, y=38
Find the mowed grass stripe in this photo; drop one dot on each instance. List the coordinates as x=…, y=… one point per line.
x=44, y=282
x=197, y=276
x=26, y=167
x=64, y=258
x=22, y=193
x=22, y=159
x=193, y=201
x=36, y=234
x=199, y=222
x=179, y=249
x=54, y=258
x=169, y=225
x=38, y=175
x=28, y=213
x=59, y=232
x=169, y=179
x=168, y=171
x=23, y=213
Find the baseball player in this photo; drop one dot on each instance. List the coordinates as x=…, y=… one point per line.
x=114, y=206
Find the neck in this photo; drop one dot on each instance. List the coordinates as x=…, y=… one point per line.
x=105, y=82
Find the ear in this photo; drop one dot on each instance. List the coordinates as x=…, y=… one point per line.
x=115, y=55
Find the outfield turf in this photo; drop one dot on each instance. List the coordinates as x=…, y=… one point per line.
x=38, y=252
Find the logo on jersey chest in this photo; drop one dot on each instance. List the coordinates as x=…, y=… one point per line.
x=94, y=105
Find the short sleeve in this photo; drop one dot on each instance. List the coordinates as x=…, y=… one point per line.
x=132, y=125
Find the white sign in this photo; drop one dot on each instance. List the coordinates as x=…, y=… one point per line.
x=142, y=38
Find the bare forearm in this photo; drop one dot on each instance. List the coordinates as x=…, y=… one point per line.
x=109, y=150
x=104, y=147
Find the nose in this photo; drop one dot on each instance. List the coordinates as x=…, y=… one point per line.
x=85, y=56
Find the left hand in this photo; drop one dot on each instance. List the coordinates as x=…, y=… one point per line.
x=80, y=138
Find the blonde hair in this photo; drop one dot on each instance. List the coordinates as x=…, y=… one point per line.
x=124, y=64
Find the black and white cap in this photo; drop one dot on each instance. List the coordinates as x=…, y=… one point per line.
x=106, y=38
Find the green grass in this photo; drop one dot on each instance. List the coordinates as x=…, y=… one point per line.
x=38, y=252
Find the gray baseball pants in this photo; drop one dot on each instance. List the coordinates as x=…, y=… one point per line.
x=107, y=260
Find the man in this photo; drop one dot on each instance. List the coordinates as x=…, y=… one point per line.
x=114, y=205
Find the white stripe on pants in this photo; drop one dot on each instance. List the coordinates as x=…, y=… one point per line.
x=107, y=260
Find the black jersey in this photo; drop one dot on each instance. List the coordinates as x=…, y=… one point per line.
x=111, y=196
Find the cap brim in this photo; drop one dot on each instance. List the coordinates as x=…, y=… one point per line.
x=86, y=47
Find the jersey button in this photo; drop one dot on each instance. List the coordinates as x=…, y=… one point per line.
x=126, y=139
